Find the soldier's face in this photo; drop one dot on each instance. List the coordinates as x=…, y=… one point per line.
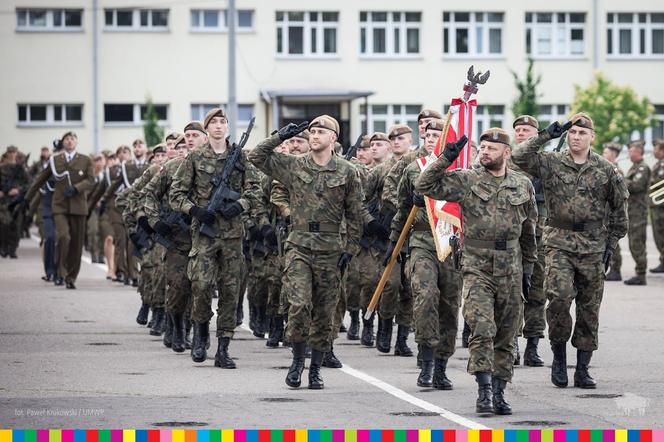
x=217, y=128
x=160, y=157
x=170, y=143
x=401, y=144
x=179, y=151
x=579, y=139
x=422, y=125
x=45, y=154
x=609, y=155
x=524, y=131
x=70, y=143
x=659, y=151
x=431, y=139
x=140, y=150
x=321, y=139
x=380, y=150
x=364, y=155
x=124, y=155
x=299, y=146
x=493, y=155
x=194, y=138
x=635, y=154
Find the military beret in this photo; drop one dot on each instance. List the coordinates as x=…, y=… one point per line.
x=399, y=129
x=658, y=142
x=171, y=136
x=638, y=143
x=582, y=119
x=525, y=120
x=436, y=124
x=379, y=136
x=215, y=112
x=179, y=140
x=616, y=147
x=69, y=133
x=159, y=148
x=107, y=152
x=304, y=135
x=122, y=148
x=194, y=125
x=429, y=113
x=326, y=122
x=365, y=143
x=137, y=141
x=11, y=148
x=495, y=135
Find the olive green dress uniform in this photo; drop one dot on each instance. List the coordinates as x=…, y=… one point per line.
x=657, y=215
x=638, y=183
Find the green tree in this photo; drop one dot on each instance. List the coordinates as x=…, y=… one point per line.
x=616, y=111
x=151, y=131
x=526, y=102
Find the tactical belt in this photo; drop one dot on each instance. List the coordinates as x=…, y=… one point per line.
x=421, y=227
x=316, y=227
x=579, y=226
x=501, y=244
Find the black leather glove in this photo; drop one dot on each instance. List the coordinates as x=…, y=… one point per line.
x=555, y=129
x=231, y=210
x=18, y=201
x=388, y=253
x=525, y=285
x=162, y=228
x=70, y=191
x=452, y=150
x=377, y=229
x=344, y=260
x=606, y=259
x=291, y=129
x=418, y=200
x=269, y=234
x=145, y=225
x=203, y=215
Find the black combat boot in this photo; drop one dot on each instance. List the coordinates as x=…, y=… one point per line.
x=384, y=337
x=168, y=330
x=465, y=335
x=658, y=269
x=151, y=321
x=159, y=322
x=178, y=332
x=262, y=324
x=367, y=331
x=425, y=379
x=517, y=355
x=239, y=313
x=222, y=358
x=187, y=330
x=499, y=405
x=559, y=364
x=342, y=327
x=294, y=376
x=201, y=336
x=276, y=331
x=142, y=317
x=440, y=379
x=613, y=275
x=315, y=379
x=401, y=347
x=582, y=378
x=530, y=356
x=636, y=280
x=253, y=318
x=330, y=360
x=353, y=333
x=484, y=403
x=419, y=356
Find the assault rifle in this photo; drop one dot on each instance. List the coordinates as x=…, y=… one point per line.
x=352, y=150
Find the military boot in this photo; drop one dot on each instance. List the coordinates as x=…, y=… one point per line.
x=342, y=328
x=367, y=331
x=187, y=330
x=530, y=356
x=559, y=364
x=613, y=275
x=239, y=313
x=384, y=336
x=294, y=376
x=151, y=321
x=465, y=335
x=201, y=335
x=582, y=378
x=222, y=358
x=262, y=323
x=440, y=380
x=500, y=406
x=353, y=333
x=253, y=317
x=419, y=356
x=658, y=269
x=142, y=317
x=159, y=322
x=401, y=347
x=425, y=379
x=517, y=355
x=168, y=330
x=330, y=360
x=636, y=280
x=484, y=403
x=276, y=331
x=178, y=345
x=315, y=379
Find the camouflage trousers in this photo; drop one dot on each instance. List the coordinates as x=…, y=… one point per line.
x=215, y=264
x=274, y=267
x=10, y=230
x=436, y=289
x=312, y=281
x=579, y=278
x=178, y=286
x=616, y=260
x=352, y=292
x=257, y=281
x=534, y=317
x=492, y=306
x=657, y=220
x=636, y=234
x=153, y=280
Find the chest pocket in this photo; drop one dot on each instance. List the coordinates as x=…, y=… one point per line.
x=205, y=172
x=518, y=199
x=481, y=196
x=593, y=184
x=336, y=186
x=303, y=176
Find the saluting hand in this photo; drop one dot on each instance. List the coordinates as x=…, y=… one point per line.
x=453, y=149
x=291, y=129
x=555, y=129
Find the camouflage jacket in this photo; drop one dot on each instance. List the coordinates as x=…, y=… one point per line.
x=657, y=176
x=130, y=201
x=638, y=182
x=390, y=196
x=12, y=176
x=492, y=211
x=320, y=197
x=577, y=195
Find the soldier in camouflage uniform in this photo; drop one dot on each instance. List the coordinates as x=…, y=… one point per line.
x=499, y=217
x=657, y=210
x=324, y=190
x=638, y=182
x=14, y=182
x=578, y=185
x=610, y=152
x=435, y=285
x=213, y=262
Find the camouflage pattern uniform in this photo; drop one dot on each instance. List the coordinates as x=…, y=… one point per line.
x=657, y=213
x=12, y=176
x=638, y=182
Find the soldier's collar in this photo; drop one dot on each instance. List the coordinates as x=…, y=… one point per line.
x=330, y=166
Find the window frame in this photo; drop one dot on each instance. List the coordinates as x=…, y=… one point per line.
x=137, y=116
x=136, y=20
x=472, y=25
x=307, y=26
x=50, y=115
x=368, y=118
x=533, y=25
x=222, y=23
x=50, y=20
x=634, y=27
x=485, y=118
x=203, y=108
x=389, y=25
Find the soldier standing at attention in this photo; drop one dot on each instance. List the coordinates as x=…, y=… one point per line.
x=499, y=216
x=657, y=211
x=610, y=153
x=324, y=190
x=580, y=187
x=638, y=182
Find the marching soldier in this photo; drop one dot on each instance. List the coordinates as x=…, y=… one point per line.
x=13, y=184
x=499, y=216
x=578, y=185
x=638, y=182
x=657, y=210
x=610, y=152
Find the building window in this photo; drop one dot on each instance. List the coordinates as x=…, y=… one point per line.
x=473, y=33
x=560, y=34
x=654, y=132
x=216, y=20
x=548, y=113
x=382, y=116
x=390, y=33
x=50, y=114
x=307, y=33
x=49, y=19
x=244, y=112
x=136, y=19
x=132, y=114
x=487, y=116
x=635, y=34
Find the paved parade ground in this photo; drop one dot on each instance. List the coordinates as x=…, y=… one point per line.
x=77, y=359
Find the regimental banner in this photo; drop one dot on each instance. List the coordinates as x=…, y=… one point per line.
x=445, y=217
